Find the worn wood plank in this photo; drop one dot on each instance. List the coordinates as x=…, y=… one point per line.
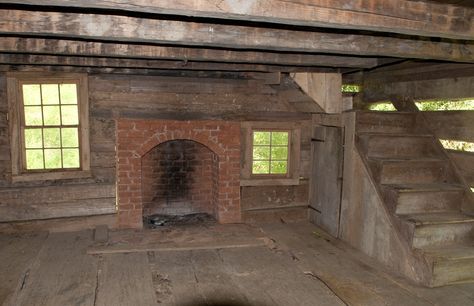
x=182, y=54
x=355, y=282
x=62, y=273
x=181, y=238
x=125, y=279
x=465, y=164
x=323, y=88
x=68, y=208
x=399, y=16
x=174, y=278
x=277, y=276
x=446, y=88
x=214, y=283
x=132, y=29
x=454, y=125
x=54, y=60
x=16, y=254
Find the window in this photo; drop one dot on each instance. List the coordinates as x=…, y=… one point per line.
x=270, y=152
x=49, y=119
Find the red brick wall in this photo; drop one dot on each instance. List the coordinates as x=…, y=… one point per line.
x=135, y=138
x=178, y=179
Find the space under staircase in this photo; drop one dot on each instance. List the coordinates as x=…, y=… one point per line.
x=423, y=193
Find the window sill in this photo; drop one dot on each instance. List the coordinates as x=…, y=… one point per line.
x=270, y=182
x=48, y=176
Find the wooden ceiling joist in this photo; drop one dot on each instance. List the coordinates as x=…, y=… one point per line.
x=421, y=18
x=133, y=29
x=122, y=50
x=54, y=60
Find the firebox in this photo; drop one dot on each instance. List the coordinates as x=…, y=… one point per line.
x=177, y=167
x=179, y=177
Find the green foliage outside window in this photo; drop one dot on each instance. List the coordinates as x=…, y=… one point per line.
x=270, y=152
x=51, y=126
x=382, y=107
x=457, y=145
x=347, y=88
x=445, y=105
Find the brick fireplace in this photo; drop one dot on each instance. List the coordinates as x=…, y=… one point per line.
x=177, y=167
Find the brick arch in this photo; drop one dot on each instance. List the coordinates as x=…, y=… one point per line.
x=137, y=137
x=158, y=138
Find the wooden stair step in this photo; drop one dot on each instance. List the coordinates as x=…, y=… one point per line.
x=411, y=171
x=398, y=145
x=439, y=218
x=385, y=122
x=438, y=229
x=423, y=198
x=452, y=264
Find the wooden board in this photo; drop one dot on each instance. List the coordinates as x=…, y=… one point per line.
x=277, y=276
x=62, y=274
x=16, y=254
x=183, y=54
x=145, y=30
x=399, y=16
x=125, y=279
x=326, y=178
x=355, y=282
x=193, y=237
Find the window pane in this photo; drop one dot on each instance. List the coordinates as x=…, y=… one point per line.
x=51, y=115
x=34, y=159
x=70, y=115
x=68, y=93
x=71, y=158
x=33, y=115
x=31, y=94
x=261, y=167
x=260, y=153
x=279, y=167
x=33, y=139
x=52, y=158
x=279, y=153
x=279, y=138
x=50, y=94
x=261, y=138
x=70, y=137
x=52, y=138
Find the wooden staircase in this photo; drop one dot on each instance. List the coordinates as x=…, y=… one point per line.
x=422, y=191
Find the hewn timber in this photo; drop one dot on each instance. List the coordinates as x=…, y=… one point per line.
x=398, y=16
x=450, y=88
x=415, y=71
x=54, y=60
x=132, y=29
x=104, y=49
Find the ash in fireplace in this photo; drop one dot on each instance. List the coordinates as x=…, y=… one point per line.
x=157, y=221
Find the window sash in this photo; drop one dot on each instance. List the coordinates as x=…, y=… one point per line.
x=271, y=160
x=23, y=126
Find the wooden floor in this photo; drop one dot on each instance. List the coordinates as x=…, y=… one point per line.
x=284, y=264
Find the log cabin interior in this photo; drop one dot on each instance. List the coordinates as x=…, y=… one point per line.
x=236, y=152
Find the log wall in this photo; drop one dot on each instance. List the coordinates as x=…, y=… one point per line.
x=147, y=97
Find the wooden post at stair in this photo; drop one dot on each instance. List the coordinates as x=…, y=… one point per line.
x=323, y=88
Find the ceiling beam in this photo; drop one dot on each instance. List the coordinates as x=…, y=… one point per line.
x=394, y=16
x=54, y=60
x=104, y=49
x=132, y=29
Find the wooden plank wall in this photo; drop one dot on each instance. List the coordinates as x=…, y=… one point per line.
x=153, y=97
x=455, y=125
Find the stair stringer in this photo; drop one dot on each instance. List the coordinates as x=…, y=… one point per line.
x=368, y=225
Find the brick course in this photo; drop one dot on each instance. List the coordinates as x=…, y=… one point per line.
x=136, y=138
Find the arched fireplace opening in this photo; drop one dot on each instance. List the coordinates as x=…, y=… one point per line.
x=179, y=183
